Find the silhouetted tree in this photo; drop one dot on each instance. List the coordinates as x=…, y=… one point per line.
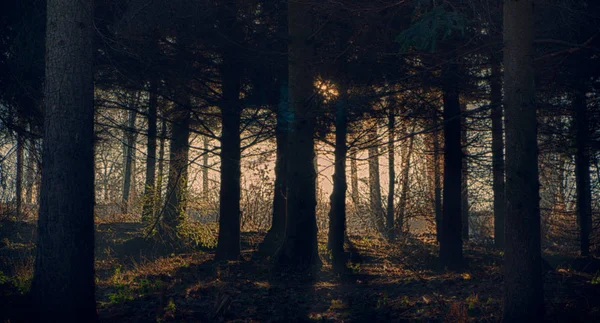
x=523, y=289
x=299, y=248
x=451, y=242
x=63, y=281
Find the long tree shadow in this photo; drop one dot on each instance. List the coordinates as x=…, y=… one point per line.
x=395, y=282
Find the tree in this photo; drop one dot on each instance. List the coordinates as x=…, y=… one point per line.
x=128, y=158
x=299, y=247
x=391, y=170
x=149, y=188
x=523, y=288
x=437, y=185
x=497, y=152
x=176, y=193
x=374, y=181
x=464, y=181
x=337, y=212
x=451, y=242
x=276, y=233
x=63, y=281
x=405, y=182
x=161, y=160
x=354, y=178
x=19, y=175
x=582, y=169
x=228, y=247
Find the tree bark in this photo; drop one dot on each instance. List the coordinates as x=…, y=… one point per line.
x=161, y=161
x=392, y=171
x=128, y=148
x=176, y=193
x=275, y=234
x=299, y=248
x=63, y=282
x=437, y=185
x=149, y=188
x=31, y=172
x=354, y=179
x=582, y=170
x=523, y=286
x=337, y=212
x=497, y=153
x=205, y=169
x=451, y=242
x=228, y=246
x=19, y=172
x=375, y=182
x=464, y=181
x=405, y=184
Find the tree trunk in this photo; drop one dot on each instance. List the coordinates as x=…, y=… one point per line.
x=275, y=235
x=337, y=212
x=375, y=183
x=464, y=181
x=19, y=171
x=63, y=282
x=176, y=193
x=161, y=162
x=299, y=248
x=497, y=153
x=451, y=243
x=523, y=286
x=31, y=173
x=354, y=179
x=391, y=171
x=205, y=169
x=149, y=188
x=228, y=247
x=128, y=148
x=405, y=184
x=437, y=183
x=582, y=170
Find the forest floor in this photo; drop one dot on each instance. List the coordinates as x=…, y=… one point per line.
x=396, y=281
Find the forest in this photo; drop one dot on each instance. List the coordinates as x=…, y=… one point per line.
x=299, y=160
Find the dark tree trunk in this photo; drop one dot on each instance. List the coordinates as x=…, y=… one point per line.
x=299, y=248
x=523, y=286
x=451, y=243
x=176, y=193
x=497, y=153
x=19, y=175
x=464, y=181
x=161, y=162
x=582, y=170
x=149, y=188
x=275, y=235
x=337, y=212
x=375, y=183
x=205, y=169
x=31, y=172
x=128, y=150
x=228, y=247
x=391, y=171
x=63, y=282
x=354, y=179
x=437, y=183
x=405, y=184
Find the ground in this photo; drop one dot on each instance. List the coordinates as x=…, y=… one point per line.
x=397, y=281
